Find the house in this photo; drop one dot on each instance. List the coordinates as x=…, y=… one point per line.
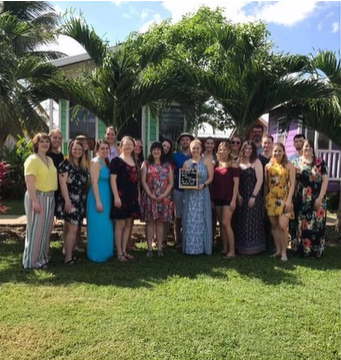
x=73, y=121
x=324, y=147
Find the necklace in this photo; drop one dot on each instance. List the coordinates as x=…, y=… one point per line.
x=45, y=161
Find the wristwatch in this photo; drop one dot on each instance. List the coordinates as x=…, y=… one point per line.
x=253, y=196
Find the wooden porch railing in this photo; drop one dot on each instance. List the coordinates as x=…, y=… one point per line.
x=333, y=160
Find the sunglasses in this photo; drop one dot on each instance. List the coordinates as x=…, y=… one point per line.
x=235, y=142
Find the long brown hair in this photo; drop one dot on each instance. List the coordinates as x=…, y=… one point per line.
x=98, y=144
x=284, y=160
x=82, y=162
x=37, y=138
x=253, y=155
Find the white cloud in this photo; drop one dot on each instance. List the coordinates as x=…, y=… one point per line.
x=126, y=16
x=319, y=26
x=117, y=3
x=335, y=27
x=144, y=14
x=66, y=45
x=157, y=19
x=287, y=13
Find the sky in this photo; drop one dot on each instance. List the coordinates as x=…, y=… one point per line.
x=296, y=27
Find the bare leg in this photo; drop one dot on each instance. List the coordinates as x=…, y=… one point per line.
x=283, y=223
x=150, y=234
x=69, y=240
x=119, y=226
x=219, y=212
x=125, y=237
x=159, y=235
x=276, y=235
x=227, y=229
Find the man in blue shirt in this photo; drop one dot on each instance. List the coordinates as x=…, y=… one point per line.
x=179, y=158
x=298, y=143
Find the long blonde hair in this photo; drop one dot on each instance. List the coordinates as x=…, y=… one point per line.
x=82, y=162
x=226, y=145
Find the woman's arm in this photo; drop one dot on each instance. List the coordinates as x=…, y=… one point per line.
x=63, y=177
x=210, y=171
x=259, y=183
x=266, y=180
x=113, y=184
x=235, y=188
x=170, y=184
x=95, y=167
x=323, y=190
x=31, y=189
x=144, y=181
x=292, y=180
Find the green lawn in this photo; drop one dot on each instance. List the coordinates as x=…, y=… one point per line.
x=15, y=207
x=178, y=307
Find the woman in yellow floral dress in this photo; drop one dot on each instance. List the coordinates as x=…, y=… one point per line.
x=279, y=189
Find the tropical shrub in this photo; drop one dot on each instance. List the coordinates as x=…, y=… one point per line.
x=15, y=156
x=3, y=180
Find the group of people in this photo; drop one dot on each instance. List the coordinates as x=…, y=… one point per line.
x=250, y=187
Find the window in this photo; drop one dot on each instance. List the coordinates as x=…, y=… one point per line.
x=323, y=142
x=82, y=122
x=171, y=123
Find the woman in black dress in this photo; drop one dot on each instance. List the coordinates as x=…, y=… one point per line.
x=73, y=178
x=250, y=236
x=125, y=185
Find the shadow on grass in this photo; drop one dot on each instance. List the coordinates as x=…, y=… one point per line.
x=143, y=272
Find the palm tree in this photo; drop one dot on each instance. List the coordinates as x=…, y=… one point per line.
x=41, y=21
x=24, y=27
x=248, y=79
x=120, y=85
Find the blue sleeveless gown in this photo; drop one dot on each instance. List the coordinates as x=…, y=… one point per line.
x=197, y=217
x=100, y=245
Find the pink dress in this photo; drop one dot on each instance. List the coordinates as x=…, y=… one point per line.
x=157, y=181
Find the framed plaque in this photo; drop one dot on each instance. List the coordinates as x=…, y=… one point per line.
x=188, y=179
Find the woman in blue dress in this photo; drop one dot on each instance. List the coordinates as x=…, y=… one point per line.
x=197, y=216
x=100, y=228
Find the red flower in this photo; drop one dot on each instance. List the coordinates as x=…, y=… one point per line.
x=304, y=224
x=318, y=161
x=308, y=191
x=320, y=213
x=306, y=243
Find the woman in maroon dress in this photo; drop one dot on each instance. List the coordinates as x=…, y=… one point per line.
x=224, y=191
x=125, y=185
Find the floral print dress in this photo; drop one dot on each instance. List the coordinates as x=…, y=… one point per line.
x=311, y=222
x=157, y=182
x=76, y=185
x=278, y=184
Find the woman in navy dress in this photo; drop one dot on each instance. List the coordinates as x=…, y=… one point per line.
x=125, y=185
x=100, y=228
x=250, y=235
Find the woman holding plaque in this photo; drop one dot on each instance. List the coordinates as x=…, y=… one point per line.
x=156, y=203
x=197, y=217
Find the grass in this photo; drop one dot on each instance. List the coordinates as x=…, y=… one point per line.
x=15, y=207
x=178, y=307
